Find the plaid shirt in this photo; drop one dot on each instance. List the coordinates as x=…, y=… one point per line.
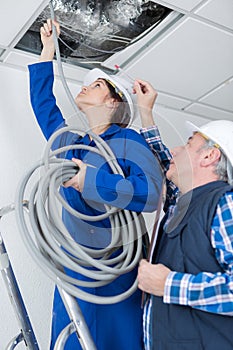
x=211, y=292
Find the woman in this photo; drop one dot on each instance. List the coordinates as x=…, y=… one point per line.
x=108, y=108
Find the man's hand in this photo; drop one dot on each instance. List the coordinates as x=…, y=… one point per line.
x=78, y=180
x=151, y=278
x=146, y=97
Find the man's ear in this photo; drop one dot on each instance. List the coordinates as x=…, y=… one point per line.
x=210, y=156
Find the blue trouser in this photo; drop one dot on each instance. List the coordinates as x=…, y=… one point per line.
x=115, y=326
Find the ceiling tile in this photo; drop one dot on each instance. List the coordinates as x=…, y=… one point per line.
x=209, y=112
x=221, y=13
x=14, y=16
x=21, y=59
x=171, y=101
x=172, y=124
x=222, y=97
x=187, y=61
x=185, y=5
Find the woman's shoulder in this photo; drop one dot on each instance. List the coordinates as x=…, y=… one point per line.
x=128, y=132
x=133, y=134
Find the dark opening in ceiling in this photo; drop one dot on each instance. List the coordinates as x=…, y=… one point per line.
x=92, y=31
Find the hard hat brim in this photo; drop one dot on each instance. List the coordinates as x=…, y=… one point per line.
x=191, y=128
x=96, y=73
x=214, y=131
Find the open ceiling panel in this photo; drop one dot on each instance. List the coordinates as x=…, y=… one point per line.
x=92, y=31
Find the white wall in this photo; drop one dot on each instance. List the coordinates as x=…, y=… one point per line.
x=21, y=145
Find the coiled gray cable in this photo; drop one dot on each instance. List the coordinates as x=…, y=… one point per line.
x=48, y=240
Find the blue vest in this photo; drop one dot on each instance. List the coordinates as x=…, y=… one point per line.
x=186, y=247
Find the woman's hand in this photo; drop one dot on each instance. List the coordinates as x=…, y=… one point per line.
x=47, y=39
x=78, y=180
x=146, y=97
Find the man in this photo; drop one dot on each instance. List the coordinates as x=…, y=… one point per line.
x=190, y=276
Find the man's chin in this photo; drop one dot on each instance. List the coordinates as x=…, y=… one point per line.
x=169, y=175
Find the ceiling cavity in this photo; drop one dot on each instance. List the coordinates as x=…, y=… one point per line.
x=92, y=31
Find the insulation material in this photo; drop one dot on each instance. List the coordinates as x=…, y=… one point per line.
x=92, y=31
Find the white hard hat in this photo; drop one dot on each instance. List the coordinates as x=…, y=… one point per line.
x=219, y=131
x=122, y=85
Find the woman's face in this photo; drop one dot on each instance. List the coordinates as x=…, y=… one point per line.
x=95, y=94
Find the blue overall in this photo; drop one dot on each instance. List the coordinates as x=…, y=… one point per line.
x=117, y=326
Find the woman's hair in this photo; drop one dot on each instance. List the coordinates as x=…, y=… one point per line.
x=121, y=115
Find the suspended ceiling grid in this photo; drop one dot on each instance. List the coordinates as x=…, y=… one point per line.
x=191, y=64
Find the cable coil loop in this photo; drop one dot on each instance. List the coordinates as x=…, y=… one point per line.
x=50, y=243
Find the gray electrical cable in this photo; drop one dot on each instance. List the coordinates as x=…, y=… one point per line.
x=51, y=245
x=60, y=70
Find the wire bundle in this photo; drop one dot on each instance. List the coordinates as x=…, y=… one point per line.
x=48, y=240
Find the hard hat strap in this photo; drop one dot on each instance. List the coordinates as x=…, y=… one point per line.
x=208, y=139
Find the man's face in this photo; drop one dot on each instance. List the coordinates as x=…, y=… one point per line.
x=95, y=94
x=185, y=161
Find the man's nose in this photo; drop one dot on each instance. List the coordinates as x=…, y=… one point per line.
x=175, y=150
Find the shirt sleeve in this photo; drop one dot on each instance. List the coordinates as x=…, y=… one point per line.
x=153, y=138
x=140, y=186
x=211, y=292
x=42, y=98
x=43, y=101
x=162, y=153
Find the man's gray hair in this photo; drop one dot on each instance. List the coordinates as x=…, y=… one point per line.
x=223, y=168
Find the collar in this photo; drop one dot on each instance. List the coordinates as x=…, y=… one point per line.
x=113, y=129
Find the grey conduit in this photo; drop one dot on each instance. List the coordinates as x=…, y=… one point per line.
x=61, y=73
x=50, y=243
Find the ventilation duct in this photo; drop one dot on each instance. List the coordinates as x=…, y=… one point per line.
x=94, y=30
